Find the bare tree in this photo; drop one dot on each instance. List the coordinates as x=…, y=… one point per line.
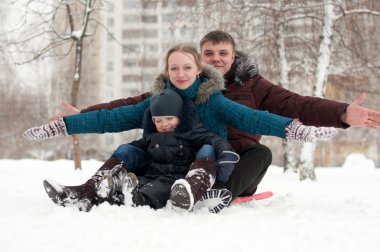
x=333, y=12
x=58, y=29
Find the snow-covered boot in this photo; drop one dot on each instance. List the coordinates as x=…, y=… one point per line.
x=201, y=176
x=82, y=196
x=296, y=131
x=76, y=196
x=215, y=200
x=114, y=186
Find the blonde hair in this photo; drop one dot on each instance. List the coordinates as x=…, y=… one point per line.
x=185, y=48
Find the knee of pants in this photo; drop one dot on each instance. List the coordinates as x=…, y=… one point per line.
x=206, y=151
x=135, y=158
x=258, y=153
x=267, y=155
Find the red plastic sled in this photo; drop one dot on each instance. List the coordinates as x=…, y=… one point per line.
x=258, y=196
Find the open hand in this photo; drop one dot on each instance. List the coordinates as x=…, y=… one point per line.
x=359, y=116
x=69, y=110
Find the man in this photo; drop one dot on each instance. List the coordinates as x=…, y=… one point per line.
x=244, y=85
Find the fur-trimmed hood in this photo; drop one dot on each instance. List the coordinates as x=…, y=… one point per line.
x=214, y=83
x=243, y=69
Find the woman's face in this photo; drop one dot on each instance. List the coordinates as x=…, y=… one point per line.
x=182, y=69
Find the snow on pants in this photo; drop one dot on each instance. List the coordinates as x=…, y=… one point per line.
x=154, y=192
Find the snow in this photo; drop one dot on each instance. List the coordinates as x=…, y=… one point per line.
x=339, y=212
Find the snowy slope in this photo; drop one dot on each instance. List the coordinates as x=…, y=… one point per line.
x=339, y=212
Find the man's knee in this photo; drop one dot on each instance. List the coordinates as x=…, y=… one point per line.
x=257, y=154
x=266, y=155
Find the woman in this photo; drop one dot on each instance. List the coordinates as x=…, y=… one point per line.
x=172, y=136
x=185, y=74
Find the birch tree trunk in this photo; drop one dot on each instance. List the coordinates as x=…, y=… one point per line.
x=290, y=160
x=307, y=169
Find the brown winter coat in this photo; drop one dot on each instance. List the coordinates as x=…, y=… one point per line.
x=245, y=86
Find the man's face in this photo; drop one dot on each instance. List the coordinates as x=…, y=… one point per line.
x=221, y=55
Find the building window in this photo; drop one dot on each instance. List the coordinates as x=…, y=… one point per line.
x=131, y=63
x=168, y=18
x=131, y=4
x=150, y=63
x=127, y=19
x=149, y=19
x=150, y=34
x=131, y=78
x=132, y=34
x=131, y=48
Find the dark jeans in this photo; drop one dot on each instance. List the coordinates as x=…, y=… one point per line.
x=249, y=171
x=135, y=158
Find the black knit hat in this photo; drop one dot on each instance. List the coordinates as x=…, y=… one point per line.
x=166, y=103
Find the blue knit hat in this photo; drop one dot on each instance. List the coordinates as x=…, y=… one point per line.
x=166, y=103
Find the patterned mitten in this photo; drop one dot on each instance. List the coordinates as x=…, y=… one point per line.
x=46, y=131
x=296, y=131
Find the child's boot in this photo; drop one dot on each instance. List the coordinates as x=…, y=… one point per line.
x=200, y=178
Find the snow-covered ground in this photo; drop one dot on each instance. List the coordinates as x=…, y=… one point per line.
x=339, y=212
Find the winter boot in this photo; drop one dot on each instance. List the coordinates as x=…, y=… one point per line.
x=201, y=176
x=296, y=131
x=215, y=200
x=83, y=196
x=119, y=182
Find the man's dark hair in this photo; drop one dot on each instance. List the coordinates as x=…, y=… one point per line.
x=217, y=37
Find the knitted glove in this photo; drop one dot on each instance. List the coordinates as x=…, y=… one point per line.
x=46, y=131
x=296, y=131
x=226, y=163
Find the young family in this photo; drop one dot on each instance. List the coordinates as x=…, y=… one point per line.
x=193, y=157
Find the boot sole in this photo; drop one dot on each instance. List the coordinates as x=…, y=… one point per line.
x=53, y=193
x=216, y=200
x=180, y=197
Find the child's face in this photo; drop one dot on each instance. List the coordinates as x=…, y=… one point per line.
x=166, y=123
